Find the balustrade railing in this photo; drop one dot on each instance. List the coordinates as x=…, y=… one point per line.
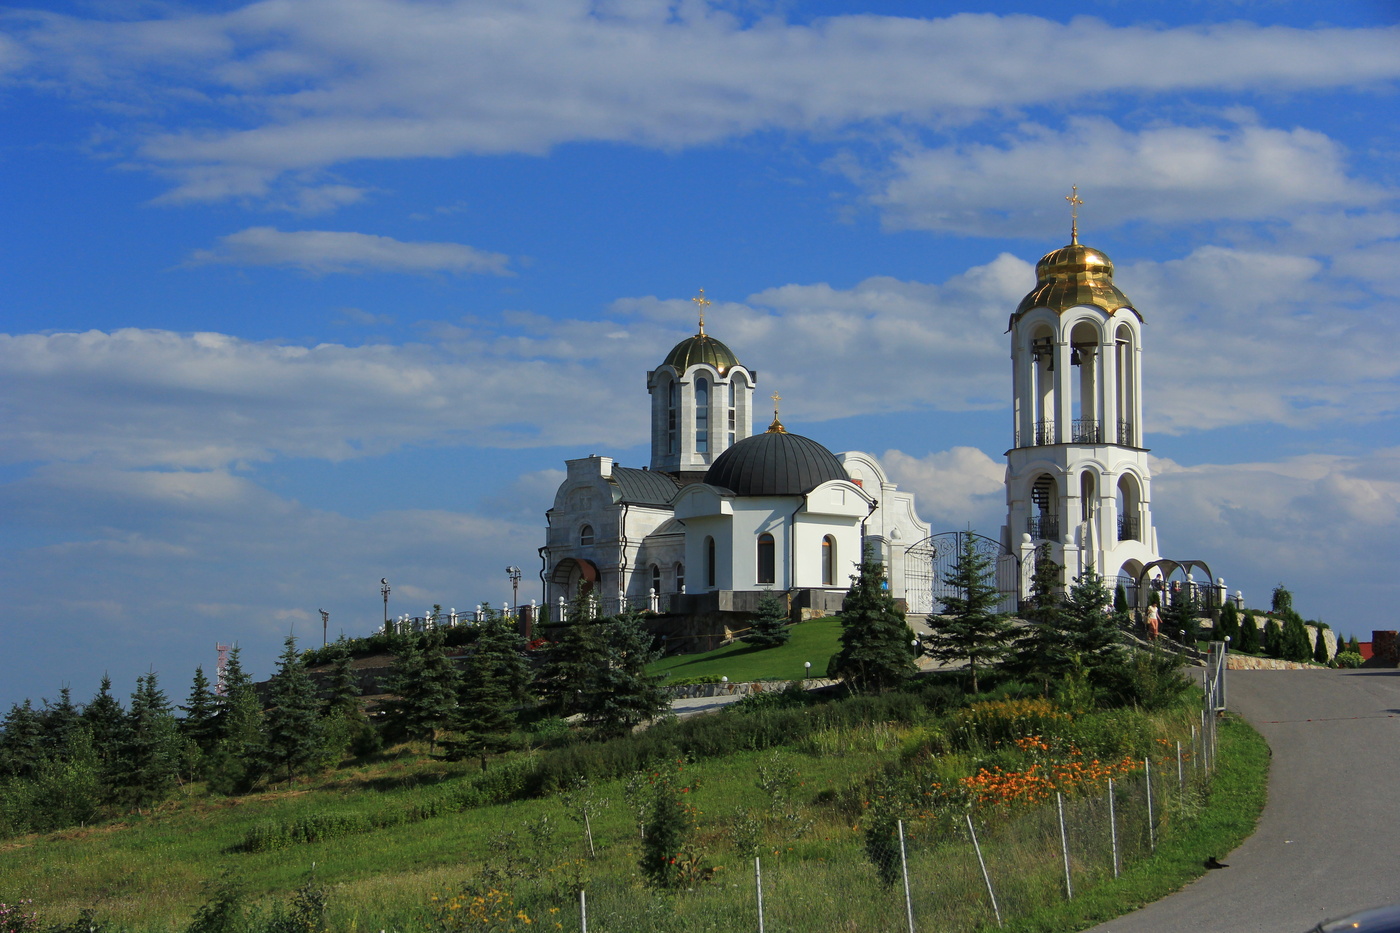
x=1128, y=528
x=1087, y=431
x=1044, y=528
x=1125, y=434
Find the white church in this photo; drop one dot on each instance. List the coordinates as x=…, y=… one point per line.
x=721, y=514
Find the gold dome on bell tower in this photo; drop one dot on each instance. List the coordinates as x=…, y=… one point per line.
x=1074, y=275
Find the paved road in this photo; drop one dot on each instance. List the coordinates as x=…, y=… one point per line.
x=1329, y=839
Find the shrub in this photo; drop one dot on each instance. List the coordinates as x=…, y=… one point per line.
x=1320, y=654
x=1249, y=635
x=1348, y=659
x=993, y=722
x=1151, y=680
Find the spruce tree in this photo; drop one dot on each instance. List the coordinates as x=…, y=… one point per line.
x=1120, y=601
x=347, y=729
x=1273, y=639
x=1296, y=646
x=877, y=650
x=1249, y=634
x=1040, y=649
x=493, y=679
x=769, y=628
x=237, y=762
x=146, y=766
x=21, y=742
x=103, y=718
x=201, y=720
x=291, y=724
x=1181, y=616
x=59, y=721
x=623, y=695
x=570, y=665
x=424, y=685
x=1354, y=646
x=1092, y=632
x=969, y=628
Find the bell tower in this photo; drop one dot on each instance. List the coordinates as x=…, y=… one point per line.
x=1077, y=475
x=701, y=403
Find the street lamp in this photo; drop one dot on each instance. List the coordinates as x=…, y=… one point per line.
x=384, y=591
x=325, y=622
x=514, y=573
x=806, y=670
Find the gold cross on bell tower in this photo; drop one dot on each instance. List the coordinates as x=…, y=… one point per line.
x=703, y=303
x=777, y=426
x=1074, y=202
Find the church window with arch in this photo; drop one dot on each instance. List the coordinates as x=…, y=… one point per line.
x=585, y=536
x=710, y=562
x=767, y=560
x=702, y=415
x=829, y=561
x=655, y=578
x=680, y=578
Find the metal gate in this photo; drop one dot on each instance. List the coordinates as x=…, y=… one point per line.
x=930, y=561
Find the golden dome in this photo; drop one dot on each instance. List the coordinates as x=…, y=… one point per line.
x=1072, y=276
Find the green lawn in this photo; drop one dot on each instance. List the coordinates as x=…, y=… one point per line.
x=814, y=641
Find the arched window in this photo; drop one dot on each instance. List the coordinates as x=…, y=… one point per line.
x=710, y=562
x=702, y=415
x=828, y=561
x=585, y=536
x=767, y=559
x=733, y=420
x=655, y=579
x=680, y=578
x=671, y=397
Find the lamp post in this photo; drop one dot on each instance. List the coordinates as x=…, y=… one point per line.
x=384, y=591
x=514, y=573
x=325, y=623
x=806, y=670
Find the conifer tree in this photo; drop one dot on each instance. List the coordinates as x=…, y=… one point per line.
x=201, y=720
x=59, y=720
x=493, y=679
x=769, y=628
x=1120, y=601
x=1249, y=634
x=1320, y=654
x=1181, y=617
x=1040, y=649
x=237, y=762
x=969, y=628
x=342, y=712
x=1354, y=646
x=424, y=685
x=877, y=650
x=1229, y=624
x=21, y=742
x=1092, y=632
x=1296, y=646
x=1273, y=639
x=576, y=653
x=623, y=695
x=146, y=766
x=103, y=718
x=291, y=723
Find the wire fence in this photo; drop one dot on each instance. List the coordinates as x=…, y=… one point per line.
x=936, y=871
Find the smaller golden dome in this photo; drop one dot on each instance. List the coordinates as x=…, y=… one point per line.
x=1072, y=276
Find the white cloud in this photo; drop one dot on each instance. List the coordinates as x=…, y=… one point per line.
x=1161, y=174
x=953, y=488
x=320, y=252
x=322, y=82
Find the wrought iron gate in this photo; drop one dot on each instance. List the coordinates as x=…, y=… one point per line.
x=928, y=562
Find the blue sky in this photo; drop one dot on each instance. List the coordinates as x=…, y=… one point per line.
x=300, y=294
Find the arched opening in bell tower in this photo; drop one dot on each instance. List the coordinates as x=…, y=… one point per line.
x=1125, y=388
x=1045, y=501
x=1088, y=495
x=1129, y=508
x=1042, y=384
x=1084, y=383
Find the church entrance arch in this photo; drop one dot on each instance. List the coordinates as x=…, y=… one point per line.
x=928, y=562
x=575, y=575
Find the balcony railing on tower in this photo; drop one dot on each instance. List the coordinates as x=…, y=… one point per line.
x=1043, y=436
x=1125, y=434
x=1087, y=431
x=1128, y=528
x=1044, y=527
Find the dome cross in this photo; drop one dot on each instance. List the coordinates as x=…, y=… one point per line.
x=702, y=302
x=1074, y=202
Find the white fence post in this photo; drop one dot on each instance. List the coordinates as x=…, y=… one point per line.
x=583, y=910
x=1151, y=827
x=1113, y=827
x=758, y=885
x=1064, y=844
x=980, y=861
x=904, y=867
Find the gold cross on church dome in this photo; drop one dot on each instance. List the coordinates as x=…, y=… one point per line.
x=777, y=426
x=1074, y=202
x=703, y=303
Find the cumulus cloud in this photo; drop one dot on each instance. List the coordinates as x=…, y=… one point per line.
x=320, y=252
x=1161, y=174
x=953, y=488
x=314, y=84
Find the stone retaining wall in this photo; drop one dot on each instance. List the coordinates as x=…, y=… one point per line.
x=688, y=691
x=1245, y=662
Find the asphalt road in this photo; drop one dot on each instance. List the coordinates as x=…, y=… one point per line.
x=1328, y=843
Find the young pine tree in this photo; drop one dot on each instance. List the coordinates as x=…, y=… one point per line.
x=1229, y=624
x=347, y=729
x=1273, y=639
x=201, y=720
x=1320, y=654
x=60, y=721
x=21, y=742
x=1041, y=649
x=576, y=653
x=103, y=717
x=237, y=762
x=970, y=629
x=769, y=629
x=1296, y=645
x=147, y=763
x=1092, y=631
x=424, y=685
x=877, y=645
x=292, y=736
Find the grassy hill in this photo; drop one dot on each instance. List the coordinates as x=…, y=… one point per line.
x=814, y=641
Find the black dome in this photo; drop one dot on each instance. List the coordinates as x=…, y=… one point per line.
x=774, y=464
